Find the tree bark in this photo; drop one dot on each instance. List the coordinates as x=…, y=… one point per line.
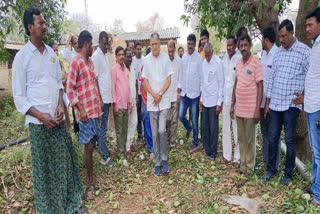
x=303, y=146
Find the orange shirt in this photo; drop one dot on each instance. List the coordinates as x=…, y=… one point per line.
x=248, y=75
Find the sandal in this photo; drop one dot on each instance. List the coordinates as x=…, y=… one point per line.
x=82, y=211
x=90, y=192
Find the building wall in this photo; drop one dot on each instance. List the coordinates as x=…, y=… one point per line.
x=5, y=76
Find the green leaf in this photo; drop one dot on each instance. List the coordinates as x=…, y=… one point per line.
x=176, y=203
x=265, y=197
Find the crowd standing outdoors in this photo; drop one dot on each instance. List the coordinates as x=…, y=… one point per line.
x=151, y=93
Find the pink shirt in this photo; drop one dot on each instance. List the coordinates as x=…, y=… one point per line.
x=121, y=94
x=248, y=75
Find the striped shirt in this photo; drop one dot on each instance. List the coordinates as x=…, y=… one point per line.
x=248, y=76
x=289, y=69
x=312, y=92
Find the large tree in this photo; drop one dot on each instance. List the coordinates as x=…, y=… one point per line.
x=228, y=15
x=11, y=13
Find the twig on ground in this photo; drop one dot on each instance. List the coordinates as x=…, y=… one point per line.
x=5, y=189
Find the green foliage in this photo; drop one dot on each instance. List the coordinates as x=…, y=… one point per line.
x=11, y=12
x=226, y=16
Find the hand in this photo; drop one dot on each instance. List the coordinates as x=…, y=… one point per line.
x=232, y=112
x=115, y=109
x=47, y=120
x=218, y=110
x=200, y=106
x=178, y=98
x=83, y=116
x=157, y=99
x=266, y=111
x=257, y=115
x=299, y=99
x=59, y=114
x=130, y=106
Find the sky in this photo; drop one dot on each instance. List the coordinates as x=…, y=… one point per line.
x=130, y=12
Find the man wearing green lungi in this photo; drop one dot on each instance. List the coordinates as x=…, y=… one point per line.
x=38, y=94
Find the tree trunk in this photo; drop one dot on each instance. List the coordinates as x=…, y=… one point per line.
x=303, y=146
x=265, y=17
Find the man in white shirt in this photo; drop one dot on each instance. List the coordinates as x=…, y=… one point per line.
x=212, y=81
x=312, y=99
x=102, y=69
x=229, y=67
x=137, y=64
x=157, y=78
x=38, y=94
x=189, y=89
x=269, y=49
x=172, y=122
x=133, y=117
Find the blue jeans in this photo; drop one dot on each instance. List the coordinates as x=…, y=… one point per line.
x=102, y=139
x=140, y=119
x=185, y=103
x=288, y=119
x=147, y=127
x=264, y=126
x=314, y=137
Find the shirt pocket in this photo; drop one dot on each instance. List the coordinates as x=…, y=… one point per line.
x=246, y=78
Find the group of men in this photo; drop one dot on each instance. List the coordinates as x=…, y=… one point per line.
x=157, y=90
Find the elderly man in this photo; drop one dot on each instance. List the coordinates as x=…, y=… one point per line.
x=84, y=95
x=180, y=52
x=157, y=78
x=37, y=92
x=212, y=82
x=229, y=64
x=133, y=117
x=102, y=69
x=172, y=122
x=189, y=87
x=312, y=99
x=286, y=82
x=246, y=100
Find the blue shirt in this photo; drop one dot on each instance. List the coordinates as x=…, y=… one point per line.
x=289, y=69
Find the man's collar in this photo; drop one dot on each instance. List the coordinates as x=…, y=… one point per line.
x=33, y=48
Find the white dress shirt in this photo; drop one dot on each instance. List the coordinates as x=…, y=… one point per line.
x=102, y=69
x=69, y=54
x=137, y=65
x=212, y=82
x=156, y=71
x=266, y=61
x=176, y=67
x=312, y=82
x=189, y=78
x=36, y=81
x=229, y=69
x=132, y=82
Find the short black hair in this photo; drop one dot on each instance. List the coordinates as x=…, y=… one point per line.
x=286, y=23
x=83, y=38
x=192, y=38
x=155, y=34
x=204, y=32
x=180, y=48
x=136, y=44
x=118, y=49
x=314, y=13
x=28, y=18
x=126, y=50
x=52, y=43
x=270, y=34
x=246, y=37
x=233, y=38
x=241, y=31
x=102, y=35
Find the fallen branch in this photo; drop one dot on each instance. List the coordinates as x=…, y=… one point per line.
x=5, y=189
